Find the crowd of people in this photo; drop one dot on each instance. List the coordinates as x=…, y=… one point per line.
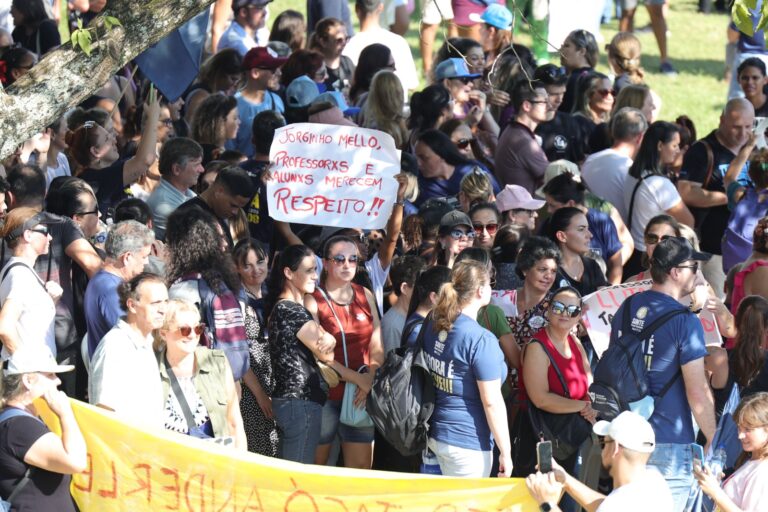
x=140, y=261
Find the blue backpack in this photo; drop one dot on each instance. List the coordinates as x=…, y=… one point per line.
x=737, y=240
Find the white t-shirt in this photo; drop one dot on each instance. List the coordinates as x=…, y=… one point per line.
x=654, y=196
x=748, y=486
x=405, y=68
x=38, y=311
x=126, y=378
x=604, y=173
x=648, y=493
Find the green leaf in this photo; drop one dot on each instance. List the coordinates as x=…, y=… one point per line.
x=80, y=23
x=749, y=4
x=85, y=42
x=763, y=23
x=742, y=18
x=114, y=22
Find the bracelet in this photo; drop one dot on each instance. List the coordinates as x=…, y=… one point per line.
x=400, y=203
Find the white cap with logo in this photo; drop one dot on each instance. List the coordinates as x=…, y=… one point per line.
x=630, y=430
x=31, y=358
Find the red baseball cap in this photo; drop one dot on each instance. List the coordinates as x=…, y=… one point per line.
x=263, y=58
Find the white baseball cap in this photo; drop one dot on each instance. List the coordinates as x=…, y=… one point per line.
x=30, y=358
x=630, y=430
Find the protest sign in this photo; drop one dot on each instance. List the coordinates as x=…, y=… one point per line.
x=603, y=304
x=331, y=175
x=152, y=470
x=506, y=300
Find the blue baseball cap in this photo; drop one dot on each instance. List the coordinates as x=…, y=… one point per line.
x=301, y=92
x=337, y=98
x=495, y=15
x=454, y=68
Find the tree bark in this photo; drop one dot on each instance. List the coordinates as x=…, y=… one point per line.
x=67, y=76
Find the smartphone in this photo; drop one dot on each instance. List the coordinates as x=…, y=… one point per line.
x=544, y=456
x=697, y=454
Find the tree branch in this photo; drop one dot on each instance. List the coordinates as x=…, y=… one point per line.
x=66, y=77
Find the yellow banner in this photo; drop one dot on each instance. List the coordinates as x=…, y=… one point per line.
x=136, y=469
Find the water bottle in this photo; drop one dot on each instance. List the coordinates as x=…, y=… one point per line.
x=429, y=463
x=717, y=462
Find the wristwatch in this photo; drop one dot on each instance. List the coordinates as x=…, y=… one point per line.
x=545, y=507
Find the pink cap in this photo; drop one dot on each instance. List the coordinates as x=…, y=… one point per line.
x=515, y=197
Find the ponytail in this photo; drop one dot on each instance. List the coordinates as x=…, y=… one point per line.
x=466, y=278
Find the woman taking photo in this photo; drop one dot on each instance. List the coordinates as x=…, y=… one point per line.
x=454, y=235
x=28, y=304
x=578, y=55
x=745, y=489
x=95, y=149
x=470, y=415
x=349, y=313
x=215, y=122
x=554, y=345
x=256, y=405
x=27, y=447
x=569, y=229
x=442, y=167
x=647, y=189
x=198, y=389
x=296, y=340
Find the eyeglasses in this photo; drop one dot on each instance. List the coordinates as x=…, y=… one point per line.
x=604, y=92
x=653, y=239
x=92, y=212
x=187, y=330
x=464, y=143
x=520, y=211
x=694, y=268
x=561, y=309
x=456, y=234
x=491, y=228
x=340, y=259
x=167, y=122
x=463, y=79
x=43, y=230
x=534, y=102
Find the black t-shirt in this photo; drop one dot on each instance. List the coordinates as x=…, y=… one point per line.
x=197, y=202
x=260, y=224
x=569, y=99
x=561, y=138
x=591, y=279
x=45, y=491
x=695, y=169
x=293, y=365
x=600, y=138
x=341, y=77
x=762, y=110
x=108, y=185
x=41, y=40
x=760, y=383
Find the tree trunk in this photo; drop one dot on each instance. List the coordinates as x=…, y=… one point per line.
x=67, y=76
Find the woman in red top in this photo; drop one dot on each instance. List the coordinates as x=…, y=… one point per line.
x=348, y=312
x=540, y=383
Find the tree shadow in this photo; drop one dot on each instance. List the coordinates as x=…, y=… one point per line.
x=700, y=67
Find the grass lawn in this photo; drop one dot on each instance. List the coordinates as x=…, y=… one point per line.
x=696, y=47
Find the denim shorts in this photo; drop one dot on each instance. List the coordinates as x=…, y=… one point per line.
x=675, y=464
x=299, y=424
x=331, y=425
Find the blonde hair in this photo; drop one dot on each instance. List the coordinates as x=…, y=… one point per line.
x=752, y=412
x=466, y=278
x=632, y=96
x=384, y=108
x=624, y=50
x=172, y=310
x=476, y=187
x=689, y=234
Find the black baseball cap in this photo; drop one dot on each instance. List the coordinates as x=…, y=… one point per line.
x=452, y=219
x=674, y=250
x=549, y=74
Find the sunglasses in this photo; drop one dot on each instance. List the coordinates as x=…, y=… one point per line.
x=464, y=143
x=92, y=212
x=491, y=228
x=694, y=268
x=561, y=309
x=604, y=92
x=187, y=330
x=42, y=230
x=167, y=122
x=456, y=234
x=653, y=239
x=339, y=259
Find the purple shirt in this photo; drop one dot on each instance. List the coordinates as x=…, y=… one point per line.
x=519, y=158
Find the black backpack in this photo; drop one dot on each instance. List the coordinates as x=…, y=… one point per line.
x=620, y=377
x=402, y=398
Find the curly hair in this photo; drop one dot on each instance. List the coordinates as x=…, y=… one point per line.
x=534, y=249
x=194, y=245
x=209, y=122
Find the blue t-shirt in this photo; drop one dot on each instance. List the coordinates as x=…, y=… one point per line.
x=676, y=343
x=605, y=238
x=469, y=353
x=102, y=307
x=247, y=110
x=413, y=333
x=438, y=187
